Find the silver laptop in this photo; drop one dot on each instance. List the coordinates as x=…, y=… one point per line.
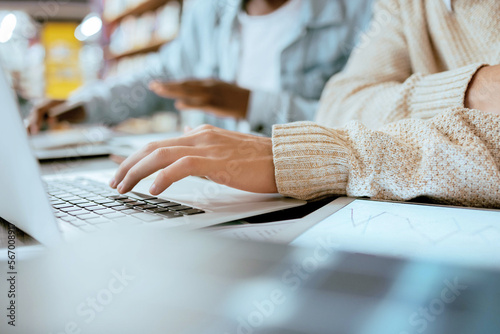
x=60, y=207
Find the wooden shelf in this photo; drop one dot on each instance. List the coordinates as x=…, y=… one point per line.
x=138, y=10
x=153, y=47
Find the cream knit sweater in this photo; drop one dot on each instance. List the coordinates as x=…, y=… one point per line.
x=415, y=61
x=417, y=65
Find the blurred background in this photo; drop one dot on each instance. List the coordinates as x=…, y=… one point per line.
x=51, y=48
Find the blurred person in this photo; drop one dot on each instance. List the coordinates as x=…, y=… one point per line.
x=444, y=143
x=422, y=58
x=265, y=61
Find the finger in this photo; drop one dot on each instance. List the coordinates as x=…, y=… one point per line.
x=187, y=129
x=36, y=121
x=38, y=114
x=184, y=167
x=160, y=158
x=145, y=151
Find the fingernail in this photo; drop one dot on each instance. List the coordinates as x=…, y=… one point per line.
x=120, y=187
x=153, y=190
x=112, y=183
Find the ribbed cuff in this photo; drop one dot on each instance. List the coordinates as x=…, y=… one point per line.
x=310, y=161
x=434, y=93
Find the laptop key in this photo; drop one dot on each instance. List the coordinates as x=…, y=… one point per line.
x=147, y=217
x=145, y=207
x=157, y=201
x=97, y=221
x=136, y=203
x=114, y=215
x=170, y=214
x=180, y=208
x=89, y=215
x=70, y=198
x=103, y=201
x=130, y=211
x=86, y=205
x=157, y=210
x=192, y=212
x=79, y=212
x=142, y=197
x=70, y=209
x=79, y=201
x=117, y=197
x=120, y=208
x=91, y=197
x=105, y=211
x=128, y=200
x=168, y=205
x=65, y=205
x=128, y=220
x=110, y=205
x=95, y=207
x=60, y=214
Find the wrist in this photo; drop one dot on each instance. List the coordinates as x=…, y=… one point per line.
x=483, y=90
x=475, y=96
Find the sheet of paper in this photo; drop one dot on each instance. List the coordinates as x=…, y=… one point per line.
x=76, y=136
x=409, y=230
x=255, y=232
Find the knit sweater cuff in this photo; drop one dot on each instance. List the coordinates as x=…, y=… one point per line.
x=436, y=92
x=310, y=161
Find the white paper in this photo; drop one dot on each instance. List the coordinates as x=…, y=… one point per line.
x=265, y=232
x=410, y=230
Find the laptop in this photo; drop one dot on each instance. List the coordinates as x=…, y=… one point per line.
x=149, y=283
x=59, y=207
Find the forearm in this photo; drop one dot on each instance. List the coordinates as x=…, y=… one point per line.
x=375, y=102
x=453, y=158
x=116, y=100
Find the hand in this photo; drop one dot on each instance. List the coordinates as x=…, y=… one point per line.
x=234, y=159
x=43, y=112
x=215, y=97
x=484, y=90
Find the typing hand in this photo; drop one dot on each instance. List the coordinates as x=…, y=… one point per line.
x=216, y=97
x=484, y=90
x=43, y=112
x=234, y=159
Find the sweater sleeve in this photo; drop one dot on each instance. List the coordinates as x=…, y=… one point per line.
x=452, y=158
x=379, y=84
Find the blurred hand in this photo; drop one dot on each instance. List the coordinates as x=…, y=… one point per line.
x=216, y=97
x=484, y=90
x=43, y=113
x=234, y=159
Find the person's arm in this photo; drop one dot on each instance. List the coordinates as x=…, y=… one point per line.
x=117, y=99
x=262, y=109
x=379, y=85
x=452, y=158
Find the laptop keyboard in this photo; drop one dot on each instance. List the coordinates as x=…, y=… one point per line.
x=90, y=206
